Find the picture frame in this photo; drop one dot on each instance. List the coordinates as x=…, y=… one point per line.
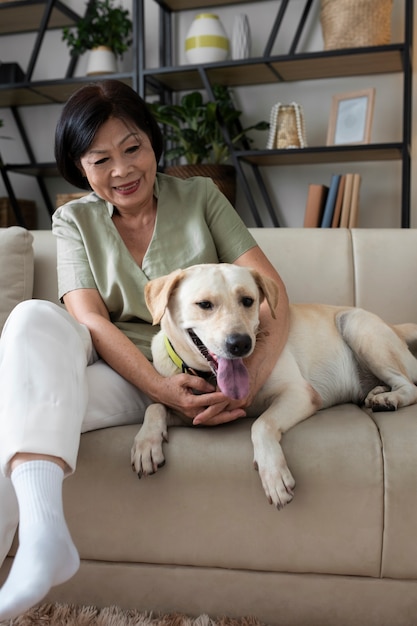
x=351, y=117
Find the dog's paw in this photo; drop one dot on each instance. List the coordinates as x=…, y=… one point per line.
x=269, y=461
x=147, y=454
x=381, y=398
x=278, y=484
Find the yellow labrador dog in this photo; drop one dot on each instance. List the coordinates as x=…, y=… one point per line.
x=209, y=323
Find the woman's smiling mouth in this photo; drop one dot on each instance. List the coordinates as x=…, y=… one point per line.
x=127, y=189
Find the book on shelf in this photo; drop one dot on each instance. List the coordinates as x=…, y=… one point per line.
x=335, y=205
x=347, y=198
x=354, y=203
x=330, y=205
x=316, y=199
x=339, y=202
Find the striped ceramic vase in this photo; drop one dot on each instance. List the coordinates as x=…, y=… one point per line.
x=206, y=41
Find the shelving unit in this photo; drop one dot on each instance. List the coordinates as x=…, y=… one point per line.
x=294, y=66
x=40, y=15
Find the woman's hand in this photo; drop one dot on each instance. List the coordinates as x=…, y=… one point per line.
x=198, y=400
x=220, y=413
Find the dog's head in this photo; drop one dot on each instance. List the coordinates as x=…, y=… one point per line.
x=211, y=312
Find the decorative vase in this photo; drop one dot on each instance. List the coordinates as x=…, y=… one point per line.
x=287, y=127
x=102, y=60
x=206, y=40
x=241, y=37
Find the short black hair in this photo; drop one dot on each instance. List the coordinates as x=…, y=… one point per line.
x=86, y=111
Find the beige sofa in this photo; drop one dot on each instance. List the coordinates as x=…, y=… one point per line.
x=200, y=536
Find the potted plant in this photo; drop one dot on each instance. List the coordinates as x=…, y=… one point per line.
x=194, y=133
x=105, y=28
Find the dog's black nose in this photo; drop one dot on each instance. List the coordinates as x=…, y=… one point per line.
x=238, y=344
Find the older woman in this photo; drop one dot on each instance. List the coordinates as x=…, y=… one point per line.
x=64, y=372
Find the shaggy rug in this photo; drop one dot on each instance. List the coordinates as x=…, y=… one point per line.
x=71, y=615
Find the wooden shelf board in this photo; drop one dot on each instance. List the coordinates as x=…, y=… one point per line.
x=183, y=5
x=340, y=64
x=188, y=77
x=40, y=169
x=25, y=16
x=337, y=63
x=47, y=92
x=20, y=95
x=59, y=91
x=323, y=154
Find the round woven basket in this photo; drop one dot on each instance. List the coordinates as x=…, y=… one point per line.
x=355, y=23
x=223, y=175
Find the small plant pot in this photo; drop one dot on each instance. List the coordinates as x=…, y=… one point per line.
x=102, y=60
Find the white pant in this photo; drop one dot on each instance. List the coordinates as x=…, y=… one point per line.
x=52, y=388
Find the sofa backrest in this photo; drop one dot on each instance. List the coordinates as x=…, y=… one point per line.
x=370, y=268
x=45, y=279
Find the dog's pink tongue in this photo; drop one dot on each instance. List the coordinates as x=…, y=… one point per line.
x=232, y=378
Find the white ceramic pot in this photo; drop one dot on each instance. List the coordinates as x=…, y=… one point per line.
x=206, y=40
x=102, y=60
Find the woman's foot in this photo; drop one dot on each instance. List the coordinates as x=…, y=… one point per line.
x=46, y=556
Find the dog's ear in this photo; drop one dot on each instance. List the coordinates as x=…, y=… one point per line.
x=158, y=292
x=268, y=289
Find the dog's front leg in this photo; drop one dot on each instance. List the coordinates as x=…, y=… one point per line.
x=147, y=454
x=294, y=403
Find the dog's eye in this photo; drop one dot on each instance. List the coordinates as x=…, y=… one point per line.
x=247, y=301
x=205, y=304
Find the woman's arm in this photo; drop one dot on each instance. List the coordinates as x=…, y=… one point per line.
x=86, y=306
x=271, y=340
x=273, y=332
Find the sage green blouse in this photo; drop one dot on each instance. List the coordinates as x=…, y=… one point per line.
x=194, y=224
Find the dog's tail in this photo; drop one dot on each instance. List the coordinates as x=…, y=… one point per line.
x=408, y=332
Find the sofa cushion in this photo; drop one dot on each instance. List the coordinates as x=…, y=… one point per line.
x=16, y=269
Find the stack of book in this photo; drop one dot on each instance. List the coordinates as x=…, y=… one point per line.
x=335, y=205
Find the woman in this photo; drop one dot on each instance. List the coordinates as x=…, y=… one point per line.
x=67, y=372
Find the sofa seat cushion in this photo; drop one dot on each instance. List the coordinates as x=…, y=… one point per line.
x=16, y=269
x=206, y=506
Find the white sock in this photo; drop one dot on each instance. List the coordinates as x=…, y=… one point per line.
x=46, y=554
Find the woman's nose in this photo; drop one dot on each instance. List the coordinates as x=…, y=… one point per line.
x=120, y=168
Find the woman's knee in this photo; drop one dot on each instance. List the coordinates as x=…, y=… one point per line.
x=29, y=312
x=34, y=318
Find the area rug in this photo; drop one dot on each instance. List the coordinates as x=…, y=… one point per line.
x=71, y=615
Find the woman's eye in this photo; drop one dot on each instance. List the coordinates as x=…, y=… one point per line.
x=100, y=161
x=247, y=302
x=132, y=149
x=206, y=305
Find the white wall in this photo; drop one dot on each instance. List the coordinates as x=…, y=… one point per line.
x=381, y=182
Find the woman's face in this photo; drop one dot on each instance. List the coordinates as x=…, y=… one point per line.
x=120, y=166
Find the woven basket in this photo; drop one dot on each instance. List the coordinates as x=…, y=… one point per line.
x=63, y=198
x=223, y=175
x=355, y=23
